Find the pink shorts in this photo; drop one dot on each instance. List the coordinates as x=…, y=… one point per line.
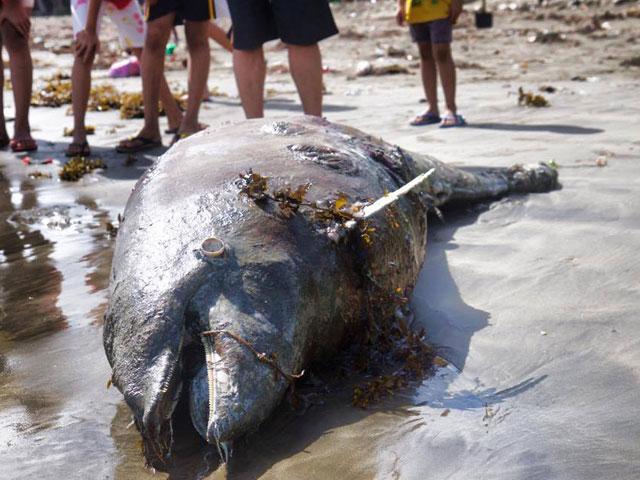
x=128, y=20
x=27, y=3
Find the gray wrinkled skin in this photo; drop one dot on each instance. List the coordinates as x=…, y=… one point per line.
x=284, y=285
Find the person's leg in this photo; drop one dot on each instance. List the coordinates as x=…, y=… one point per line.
x=301, y=25
x=219, y=36
x=305, y=63
x=198, y=45
x=4, y=137
x=441, y=36
x=447, y=69
x=250, y=71
x=80, y=89
x=21, y=79
x=429, y=77
x=169, y=104
x=253, y=25
x=158, y=31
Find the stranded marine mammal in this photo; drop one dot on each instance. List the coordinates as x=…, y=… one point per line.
x=286, y=285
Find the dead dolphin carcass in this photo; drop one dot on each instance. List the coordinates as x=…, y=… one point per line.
x=206, y=280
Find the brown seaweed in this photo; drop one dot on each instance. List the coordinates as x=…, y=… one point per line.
x=77, y=167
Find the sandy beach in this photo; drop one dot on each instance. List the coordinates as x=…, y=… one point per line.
x=532, y=299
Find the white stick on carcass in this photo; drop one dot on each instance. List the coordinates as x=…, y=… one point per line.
x=388, y=199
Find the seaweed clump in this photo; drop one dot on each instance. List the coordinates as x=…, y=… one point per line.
x=337, y=215
x=132, y=105
x=392, y=352
x=88, y=130
x=529, y=99
x=55, y=92
x=77, y=167
x=104, y=98
x=290, y=200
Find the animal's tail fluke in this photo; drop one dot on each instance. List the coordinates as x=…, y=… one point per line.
x=475, y=184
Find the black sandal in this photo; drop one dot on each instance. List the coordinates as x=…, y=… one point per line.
x=78, y=149
x=140, y=144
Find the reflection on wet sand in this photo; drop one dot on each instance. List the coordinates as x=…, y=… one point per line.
x=30, y=283
x=54, y=261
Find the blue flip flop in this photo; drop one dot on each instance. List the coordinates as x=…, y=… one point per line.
x=427, y=118
x=458, y=121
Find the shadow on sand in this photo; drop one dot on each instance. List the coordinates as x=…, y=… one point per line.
x=551, y=128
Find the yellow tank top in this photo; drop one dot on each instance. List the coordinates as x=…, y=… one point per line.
x=420, y=11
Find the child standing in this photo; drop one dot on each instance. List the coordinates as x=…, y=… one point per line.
x=161, y=16
x=127, y=16
x=431, y=24
x=15, y=27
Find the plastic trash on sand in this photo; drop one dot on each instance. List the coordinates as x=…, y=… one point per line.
x=129, y=67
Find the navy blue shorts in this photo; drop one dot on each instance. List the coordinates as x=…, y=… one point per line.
x=190, y=10
x=436, y=31
x=297, y=22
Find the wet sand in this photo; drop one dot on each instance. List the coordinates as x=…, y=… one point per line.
x=532, y=299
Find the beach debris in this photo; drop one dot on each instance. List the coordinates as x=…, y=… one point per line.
x=27, y=160
x=633, y=12
x=385, y=50
x=546, y=36
x=579, y=78
x=352, y=34
x=278, y=68
x=131, y=105
x=445, y=412
x=548, y=89
x=543, y=333
x=112, y=232
x=37, y=174
x=129, y=67
x=88, y=130
x=602, y=161
x=55, y=92
x=77, y=167
x=379, y=67
x=631, y=62
x=391, y=342
x=529, y=99
x=104, y=98
x=553, y=164
x=464, y=65
x=439, y=361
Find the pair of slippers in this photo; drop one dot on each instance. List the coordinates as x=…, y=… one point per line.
x=448, y=121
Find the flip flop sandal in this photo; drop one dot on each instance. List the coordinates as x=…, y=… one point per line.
x=425, y=119
x=171, y=131
x=78, y=149
x=181, y=136
x=28, y=145
x=140, y=144
x=450, y=121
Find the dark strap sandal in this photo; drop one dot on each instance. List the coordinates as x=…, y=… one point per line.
x=78, y=149
x=137, y=144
